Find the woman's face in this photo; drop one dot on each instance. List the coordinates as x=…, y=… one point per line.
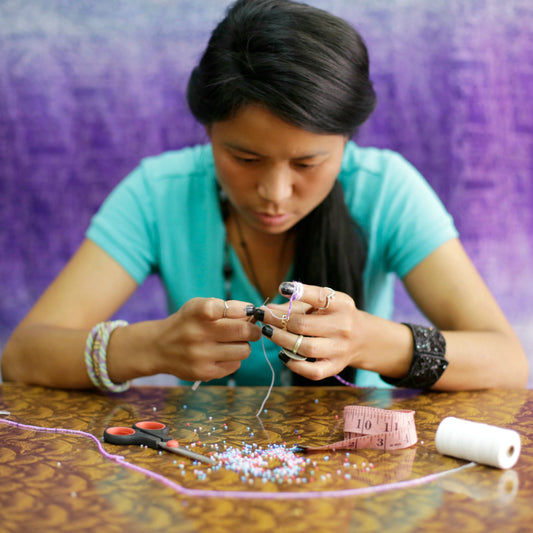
x=273, y=173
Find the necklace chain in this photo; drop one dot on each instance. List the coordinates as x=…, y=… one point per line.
x=244, y=246
x=227, y=268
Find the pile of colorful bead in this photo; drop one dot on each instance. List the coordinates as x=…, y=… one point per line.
x=276, y=463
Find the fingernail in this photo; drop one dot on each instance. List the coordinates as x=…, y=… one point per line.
x=287, y=288
x=250, y=310
x=283, y=357
x=267, y=331
x=259, y=314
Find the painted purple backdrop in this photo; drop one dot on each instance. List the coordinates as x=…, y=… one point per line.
x=87, y=88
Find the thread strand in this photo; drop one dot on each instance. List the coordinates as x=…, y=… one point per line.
x=244, y=495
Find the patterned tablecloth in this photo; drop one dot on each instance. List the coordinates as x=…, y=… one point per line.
x=62, y=482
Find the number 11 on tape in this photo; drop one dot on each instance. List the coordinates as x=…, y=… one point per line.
x=371, y=427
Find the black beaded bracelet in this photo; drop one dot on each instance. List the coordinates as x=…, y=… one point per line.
x=429, y=361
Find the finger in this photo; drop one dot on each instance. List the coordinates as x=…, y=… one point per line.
x=309, y=347
x=220, y=352
x=228, y=330
x=277, y=314
x=296, y=307
x=227, y=352
x=226, y=368
x=301, y=322
x=285, y=356
x=217, y=370
x=320, y=298
x=315, y=371
x=217, y=309
x=237, y=309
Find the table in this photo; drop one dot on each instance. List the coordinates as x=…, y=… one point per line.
x=62, y=482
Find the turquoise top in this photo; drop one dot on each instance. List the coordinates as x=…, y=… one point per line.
x=164, y=218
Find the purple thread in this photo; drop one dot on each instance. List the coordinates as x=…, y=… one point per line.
x=296, y=295
x=344, y=382
x=243, y=494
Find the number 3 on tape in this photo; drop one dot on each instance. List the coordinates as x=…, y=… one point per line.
x=371, y=427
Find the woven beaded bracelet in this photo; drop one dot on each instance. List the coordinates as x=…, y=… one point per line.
x=96, y=356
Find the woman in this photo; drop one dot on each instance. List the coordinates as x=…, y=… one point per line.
x=280, y=193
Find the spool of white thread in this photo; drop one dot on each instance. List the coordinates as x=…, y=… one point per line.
x=481, y=443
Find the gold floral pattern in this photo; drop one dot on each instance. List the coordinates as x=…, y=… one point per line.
x=61, y=482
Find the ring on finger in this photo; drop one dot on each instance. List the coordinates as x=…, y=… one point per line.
x=226, y=307
x=284, y=322
x=285, y=355
x=329, y=297
x=297, y=344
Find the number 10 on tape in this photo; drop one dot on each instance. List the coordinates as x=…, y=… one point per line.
x=371, y=427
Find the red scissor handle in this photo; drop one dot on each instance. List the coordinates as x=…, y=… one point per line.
x=147, y=432
x=151, y=426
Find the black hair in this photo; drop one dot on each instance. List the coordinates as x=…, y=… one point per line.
x=311, y=69
x=303, y=64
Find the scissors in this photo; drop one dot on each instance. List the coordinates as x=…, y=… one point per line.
x=151, y=434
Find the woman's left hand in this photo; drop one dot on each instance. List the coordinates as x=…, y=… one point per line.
x=323, y=325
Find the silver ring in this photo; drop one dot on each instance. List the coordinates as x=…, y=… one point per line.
x=226, y=307
x=297, y=344
x=294, y=356
x=329, y=297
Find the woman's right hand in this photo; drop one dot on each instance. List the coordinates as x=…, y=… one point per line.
x=206, y=339
x=196, y=343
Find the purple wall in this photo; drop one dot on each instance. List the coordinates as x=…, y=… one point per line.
x=87, y=88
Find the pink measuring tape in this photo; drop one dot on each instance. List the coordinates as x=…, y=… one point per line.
x=371, y=427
